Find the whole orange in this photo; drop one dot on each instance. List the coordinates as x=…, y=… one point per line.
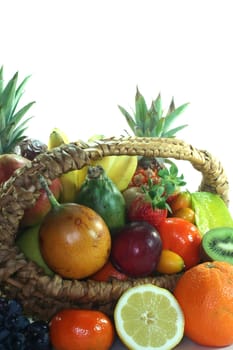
x=205, y=294
x=75, y=242
x=72, y=329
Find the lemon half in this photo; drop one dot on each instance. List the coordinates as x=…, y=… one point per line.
x=149, y=317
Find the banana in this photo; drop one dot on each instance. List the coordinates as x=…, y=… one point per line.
x=56, y=138
x=122, y=170
x=119, y=169
x=72, y=180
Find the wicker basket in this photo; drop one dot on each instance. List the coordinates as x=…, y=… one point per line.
x=42, y=295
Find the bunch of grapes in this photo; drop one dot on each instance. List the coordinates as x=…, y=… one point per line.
x=17, y=332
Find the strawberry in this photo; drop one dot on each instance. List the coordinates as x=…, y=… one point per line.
x=153, y=205
x=142, y=210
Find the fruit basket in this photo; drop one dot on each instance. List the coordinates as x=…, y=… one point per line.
x=42, y=296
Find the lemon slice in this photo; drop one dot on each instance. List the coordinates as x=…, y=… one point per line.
x=149, y=317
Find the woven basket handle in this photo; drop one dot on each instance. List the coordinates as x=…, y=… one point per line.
x=22, y=189
x=214, y=178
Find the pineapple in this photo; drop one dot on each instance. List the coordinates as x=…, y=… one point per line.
x=151, y=122
x=12, y=125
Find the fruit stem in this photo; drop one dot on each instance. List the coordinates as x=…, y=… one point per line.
x=54, y=203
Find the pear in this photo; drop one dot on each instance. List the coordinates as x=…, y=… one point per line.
x=28, y=242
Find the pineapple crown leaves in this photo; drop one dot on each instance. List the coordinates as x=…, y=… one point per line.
x=157, y=194
x=151, y=122
x=12, y=125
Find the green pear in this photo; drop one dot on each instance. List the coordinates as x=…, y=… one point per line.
x=28, y=242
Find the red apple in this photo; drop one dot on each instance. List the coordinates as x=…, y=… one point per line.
x=9, y=163
x=35, y=214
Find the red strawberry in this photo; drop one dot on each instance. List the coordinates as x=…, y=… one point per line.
x=142, y=210
x=153, y=206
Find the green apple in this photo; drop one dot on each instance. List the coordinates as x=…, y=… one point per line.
x=28, y=242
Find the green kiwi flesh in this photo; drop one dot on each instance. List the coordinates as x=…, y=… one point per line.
x=217, y=244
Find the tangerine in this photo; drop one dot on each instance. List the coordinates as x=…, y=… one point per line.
x=205, y=294
x=72, y=329
x=108, y=272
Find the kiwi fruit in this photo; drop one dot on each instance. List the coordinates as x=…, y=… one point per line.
x=217, y=244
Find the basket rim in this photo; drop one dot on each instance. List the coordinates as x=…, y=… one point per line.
x=22, y=189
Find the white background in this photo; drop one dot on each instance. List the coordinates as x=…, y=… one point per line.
x=86, y=57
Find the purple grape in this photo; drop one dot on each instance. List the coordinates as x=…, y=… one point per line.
x=16, y=323
x=14, y=307
x=16, y=341
x=37, y=335
x=16, y=331
x=4, y=333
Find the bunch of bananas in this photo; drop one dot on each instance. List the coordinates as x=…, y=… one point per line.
x=119, y=169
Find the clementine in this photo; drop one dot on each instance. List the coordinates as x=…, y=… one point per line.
x=108, y=272
x=205, y=294
x=72, y=329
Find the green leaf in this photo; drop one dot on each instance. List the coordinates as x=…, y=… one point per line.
x=170, y=118
x=171, y=107
x=169, y=177
x=169, y=188
x=128, y=118
x=172, y=132
x=159, y=127
x=140, y=109
x=18, y=116
x=1, y=80
x=148, y=125
x=152, y=111
x=18, y=94
x=2, y=118
x=173, y=170
x=163, y=172
x=157, y=103
x=8, y=95
x=19, y=90
x=154, y=119
x=138, y=131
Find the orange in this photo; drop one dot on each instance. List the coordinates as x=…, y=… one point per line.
x=205, y=294
x=108, y=272
x=72, y=329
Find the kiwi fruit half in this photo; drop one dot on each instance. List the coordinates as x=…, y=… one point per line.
x=217, y=244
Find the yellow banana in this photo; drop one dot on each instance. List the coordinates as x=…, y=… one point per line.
x=122, y=171
x=119, y=169
x=56, y=138
x=70, y=181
